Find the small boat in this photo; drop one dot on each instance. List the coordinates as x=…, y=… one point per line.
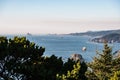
x=84, y=49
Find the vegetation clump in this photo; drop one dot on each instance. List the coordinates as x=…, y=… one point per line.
x=103, y=65
x=21, y=59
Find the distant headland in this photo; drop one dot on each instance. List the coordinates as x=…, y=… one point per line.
x=109, y=36
x=29, y=34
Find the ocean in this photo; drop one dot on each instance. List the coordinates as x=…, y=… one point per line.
x=66, y=45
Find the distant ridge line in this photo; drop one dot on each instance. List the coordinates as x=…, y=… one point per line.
x=96, y=33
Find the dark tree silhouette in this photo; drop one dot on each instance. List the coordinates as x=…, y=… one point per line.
x=21, y=59
x=14, y=53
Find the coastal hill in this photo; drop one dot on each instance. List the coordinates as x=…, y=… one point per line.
x=110, y=38
x=96, y=33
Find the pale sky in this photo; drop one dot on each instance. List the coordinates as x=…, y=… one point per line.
x=58, y=16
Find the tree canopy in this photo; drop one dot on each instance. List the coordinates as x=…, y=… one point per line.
x=103, y=65
x=21, y=59
x=16, y=52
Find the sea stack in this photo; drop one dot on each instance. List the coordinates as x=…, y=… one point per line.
x=77, y=57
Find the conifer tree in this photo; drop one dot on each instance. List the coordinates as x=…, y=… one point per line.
x=102, y=64
x=116, y=64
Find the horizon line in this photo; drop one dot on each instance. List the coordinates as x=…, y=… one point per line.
x=20, y=34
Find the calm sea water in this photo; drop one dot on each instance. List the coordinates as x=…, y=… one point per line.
x=65, y=45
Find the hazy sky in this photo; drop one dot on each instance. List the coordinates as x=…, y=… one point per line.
x=58, y=16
